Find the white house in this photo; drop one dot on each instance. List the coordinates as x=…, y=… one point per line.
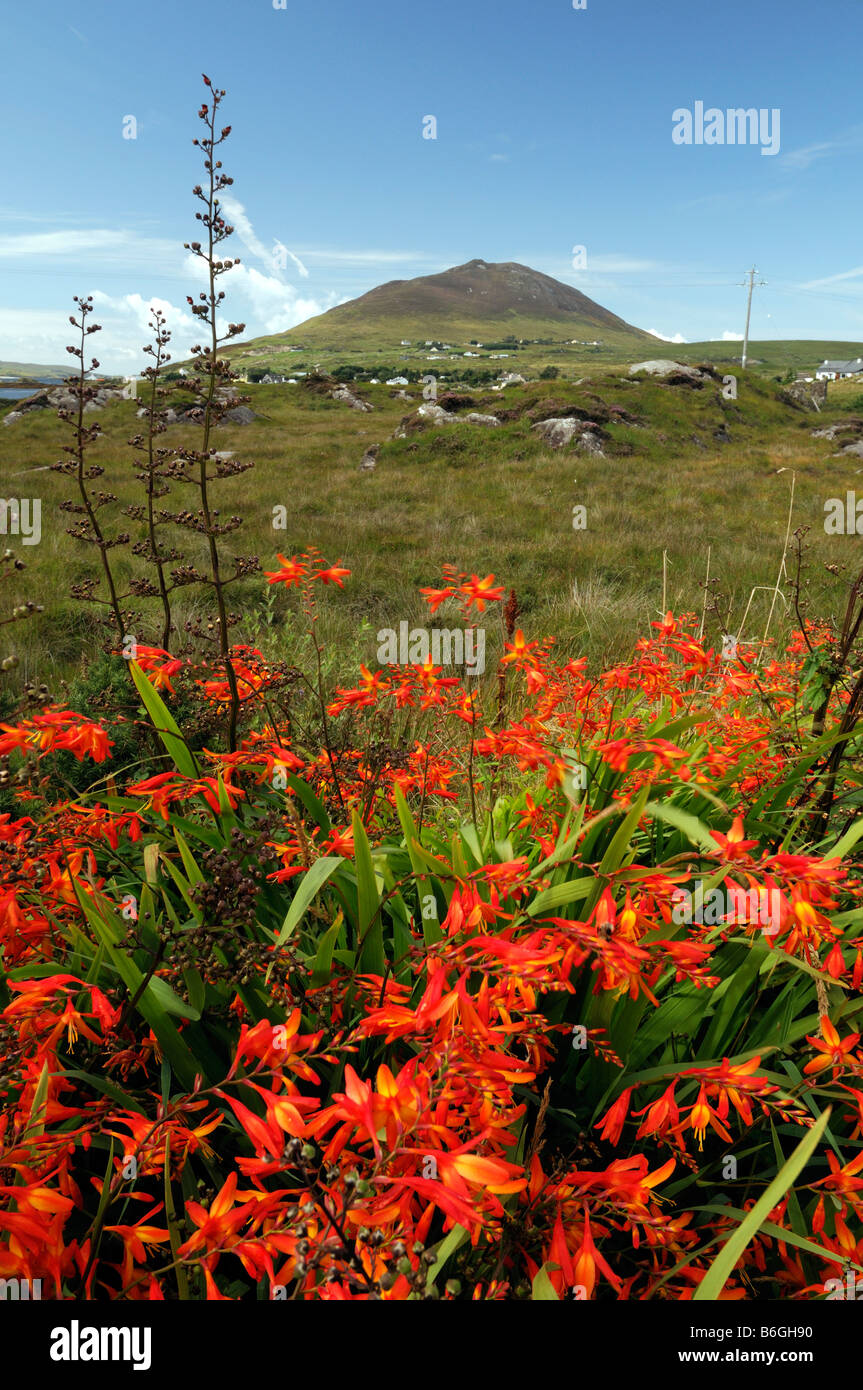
x=838, y=371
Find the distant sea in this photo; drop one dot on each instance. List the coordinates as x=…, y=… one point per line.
x=18, y=393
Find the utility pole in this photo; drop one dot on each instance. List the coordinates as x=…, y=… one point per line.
x=752, y=274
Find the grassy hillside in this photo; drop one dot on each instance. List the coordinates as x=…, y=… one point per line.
x=381, y=352
x=484, y=500
x=477, y=300
x=773, y=356
x=33, y=371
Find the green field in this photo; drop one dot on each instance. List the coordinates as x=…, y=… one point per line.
x=383, y=353
x=486, y=500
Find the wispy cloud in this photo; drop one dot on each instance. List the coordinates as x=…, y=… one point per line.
x=276, y=256
x=833, y=279
x=93, y=243
x=372, y=257
x=270, y=304
x=807, y=155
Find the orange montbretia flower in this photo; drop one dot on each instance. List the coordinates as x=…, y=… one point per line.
x=834, y=1051
x=733, y=846
x=478, y=592
x=333, y=575
x=291, y=573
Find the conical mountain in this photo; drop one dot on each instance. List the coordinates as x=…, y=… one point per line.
x=479, y=300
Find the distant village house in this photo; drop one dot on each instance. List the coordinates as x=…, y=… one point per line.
x=838, y=371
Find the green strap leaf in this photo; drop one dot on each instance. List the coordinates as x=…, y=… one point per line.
x=543, y=1290
x=717, y=1276
x=370, y=931
x=309, y=886
x=693, y=828
x=110, y=933
x=164, y=723
x=448, y=1246
x=561, y=894
x=431, y=927
x=322, y=968
x=849, y=839
x=168, y=999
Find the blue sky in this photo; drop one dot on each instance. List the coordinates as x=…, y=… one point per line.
x=554, y=130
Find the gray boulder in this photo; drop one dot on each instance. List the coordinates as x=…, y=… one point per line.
x=341, y=393
x=240, y=415
x=435, y=413
x=561, y=431
x=806, y=395
x=663, y=367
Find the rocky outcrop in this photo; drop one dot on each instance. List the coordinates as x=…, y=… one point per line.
x=673, y=373
x=344, y=394
x=806, y=395
x=842, y=430
x=61, y=398
x=435, y=415
x=561, y=431
x=369, y=459
x=474, y=418
x=848, y=434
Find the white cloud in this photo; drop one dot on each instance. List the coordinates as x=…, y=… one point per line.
x=258, y=291
x=833, y=279
x=242, y=225
x=677, y=338
x=847, y=140
x=272, y=305
x=265, y=303
x=373, y=257
x=732, y=337
x=808, y=154
x=100, y=244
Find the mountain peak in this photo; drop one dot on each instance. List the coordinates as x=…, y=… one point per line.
x=479, y=298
